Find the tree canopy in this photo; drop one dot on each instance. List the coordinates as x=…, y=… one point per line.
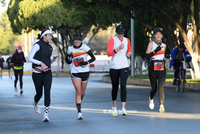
x=7, y=37
x=71, y=16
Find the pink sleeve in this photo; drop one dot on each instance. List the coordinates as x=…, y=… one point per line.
x=129, y=46
x=110, y=51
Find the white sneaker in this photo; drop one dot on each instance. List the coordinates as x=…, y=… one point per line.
x=124, y=112
x=80, y=116
x=15, y=89
x=162, y=109
x=36, y=108
x=151, y=103
x=114, y=111
x=46, y=118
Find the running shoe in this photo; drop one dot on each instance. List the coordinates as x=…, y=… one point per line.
x=124, y=112
x=15, y=89
x=162, y=109
x=46, y=118
x=151, y=103
x=36, y=108
x=80, y=116
x=21, y=92
x=114, y=111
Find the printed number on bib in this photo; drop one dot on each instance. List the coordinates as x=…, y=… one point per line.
x=77, y=61
x=158, y=66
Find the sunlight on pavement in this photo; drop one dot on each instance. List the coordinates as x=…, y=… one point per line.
x=167, y=115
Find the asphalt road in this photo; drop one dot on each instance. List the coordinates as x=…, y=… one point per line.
x=182, y=114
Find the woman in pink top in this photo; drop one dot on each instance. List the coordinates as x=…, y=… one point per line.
x=120, y=49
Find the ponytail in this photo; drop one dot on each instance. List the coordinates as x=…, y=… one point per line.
x=39, y=35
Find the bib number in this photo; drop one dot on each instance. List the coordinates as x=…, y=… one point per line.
x=159, y=66
x=77, y=61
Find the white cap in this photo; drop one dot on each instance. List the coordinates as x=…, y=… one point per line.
x=47, y=32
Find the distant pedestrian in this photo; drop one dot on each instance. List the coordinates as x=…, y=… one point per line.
x=155, y=53
x=77, y=55
x=120, y=49
x=10, y=66
x=18, y=59
x=42, y=57
x=1, y=65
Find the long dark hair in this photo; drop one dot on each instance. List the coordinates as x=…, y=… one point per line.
x=43, y=30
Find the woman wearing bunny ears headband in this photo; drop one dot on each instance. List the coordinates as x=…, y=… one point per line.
x=18, y=59
x=157, y=73
x=41, y=57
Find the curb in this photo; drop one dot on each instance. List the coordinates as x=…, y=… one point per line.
x=191, y=86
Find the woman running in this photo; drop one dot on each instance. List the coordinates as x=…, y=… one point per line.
x=18, y=59
x=120, y=49
x=41, y=57
x=1, y=65
x=157, y=74
x=10, y=66
x=77, y=55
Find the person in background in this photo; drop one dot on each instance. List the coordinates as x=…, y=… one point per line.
x=41, y=56
x=155, y=53
x=179, y=54
x=18, y=59
x=10, y=66
x=119, y=48
x=77, y=55
x=1, y=65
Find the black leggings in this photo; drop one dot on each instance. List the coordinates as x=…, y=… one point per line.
x=20, y=74
x=157, y=79
x=40, y=80
x=115, y=74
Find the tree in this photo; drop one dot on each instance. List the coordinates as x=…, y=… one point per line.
x=2, y=2
x=171, y=14
x=7, y=37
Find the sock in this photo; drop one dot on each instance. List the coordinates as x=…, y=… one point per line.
x=82, y=97
x=78, y=107
x=46, y=110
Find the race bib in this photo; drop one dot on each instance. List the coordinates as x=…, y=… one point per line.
x=159, y=66
x=77, y=61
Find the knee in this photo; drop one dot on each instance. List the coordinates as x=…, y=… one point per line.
x=78, y=93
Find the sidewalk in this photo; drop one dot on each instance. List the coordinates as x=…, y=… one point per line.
x=191, y=86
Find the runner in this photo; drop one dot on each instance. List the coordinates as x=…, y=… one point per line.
x=120, y=49
x=41, y=57
x=77, y=55
x=18, y=59
x=1, y=65
x=157, y=74
x=10, y=66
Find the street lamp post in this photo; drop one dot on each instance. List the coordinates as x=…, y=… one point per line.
x=132, y=46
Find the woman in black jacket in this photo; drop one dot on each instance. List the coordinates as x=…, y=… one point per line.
x=41, y=56
x=18, y=59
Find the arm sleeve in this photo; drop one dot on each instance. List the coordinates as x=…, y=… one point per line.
x=148, y=56
x=68, y=60
x=92, y=56
x=35, y=48
x=24, y=59
x=110, y=51
x=129, y=46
